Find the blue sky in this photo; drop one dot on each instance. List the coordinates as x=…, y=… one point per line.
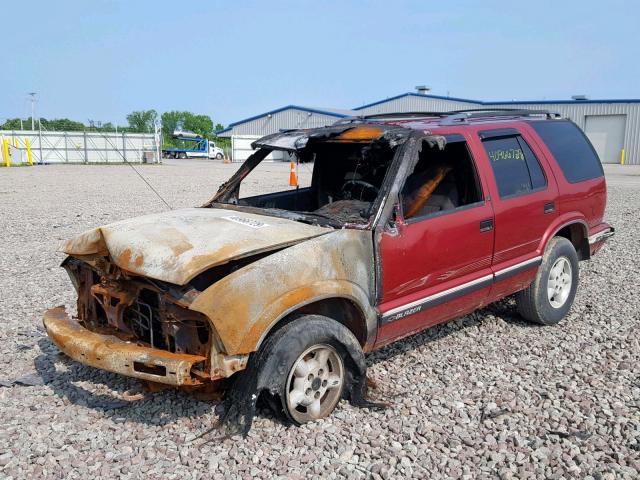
x=102, y=59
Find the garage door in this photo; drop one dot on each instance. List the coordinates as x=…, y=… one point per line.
x=606, y=133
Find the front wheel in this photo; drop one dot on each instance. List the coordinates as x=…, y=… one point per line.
x=550, y=296
x=316, y=365
x=219, y=156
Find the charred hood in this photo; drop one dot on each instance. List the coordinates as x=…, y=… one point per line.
x=176, y=246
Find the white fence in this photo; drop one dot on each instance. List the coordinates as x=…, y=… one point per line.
x=80, y=147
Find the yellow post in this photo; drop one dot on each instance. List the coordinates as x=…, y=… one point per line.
x=622, y=157
x=5, y=149
x=27, y=144
x=15, y=142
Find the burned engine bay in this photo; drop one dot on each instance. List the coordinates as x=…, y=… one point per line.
x=350, y=163
x=151, y=314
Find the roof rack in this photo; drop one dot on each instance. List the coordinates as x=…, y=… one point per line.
x=459, y=116
x=408, y=114
x=456, y=116
x=361, y=118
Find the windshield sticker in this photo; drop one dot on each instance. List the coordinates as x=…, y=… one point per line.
x=248, y=222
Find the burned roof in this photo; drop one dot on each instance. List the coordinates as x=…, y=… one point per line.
x=295, y=140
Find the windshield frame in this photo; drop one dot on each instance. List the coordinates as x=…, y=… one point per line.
x=295, y=141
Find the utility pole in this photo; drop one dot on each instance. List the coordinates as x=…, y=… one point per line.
x=33, y=109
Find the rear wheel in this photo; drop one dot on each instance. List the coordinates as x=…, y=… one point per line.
x=182, y=155
x=550, y=296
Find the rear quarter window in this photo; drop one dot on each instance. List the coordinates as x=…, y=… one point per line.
x=571, y=149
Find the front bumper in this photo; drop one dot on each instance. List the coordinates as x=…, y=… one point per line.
x=118, y=356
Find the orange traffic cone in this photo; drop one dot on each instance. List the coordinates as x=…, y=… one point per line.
x=293, y=177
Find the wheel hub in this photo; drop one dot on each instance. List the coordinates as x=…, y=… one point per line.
x=315, y=383
x=559, y=282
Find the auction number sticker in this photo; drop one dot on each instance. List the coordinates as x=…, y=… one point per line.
x=248, y=222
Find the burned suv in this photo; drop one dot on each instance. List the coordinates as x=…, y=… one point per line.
x=409, y=220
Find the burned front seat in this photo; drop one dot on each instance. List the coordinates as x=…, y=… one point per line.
x=428, y=191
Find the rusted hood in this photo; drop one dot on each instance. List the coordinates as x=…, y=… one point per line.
x=176, y=246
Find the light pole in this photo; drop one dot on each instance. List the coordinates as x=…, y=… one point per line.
x=33, y=109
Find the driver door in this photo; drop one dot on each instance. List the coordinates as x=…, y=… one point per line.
x=436, y=265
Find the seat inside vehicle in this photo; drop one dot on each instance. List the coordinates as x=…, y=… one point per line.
x=442, y=180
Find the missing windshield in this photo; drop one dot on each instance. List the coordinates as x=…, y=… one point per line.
x=340, y=173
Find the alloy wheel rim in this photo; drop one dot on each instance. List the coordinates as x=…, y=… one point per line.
x=559, y=283
x=314, y=385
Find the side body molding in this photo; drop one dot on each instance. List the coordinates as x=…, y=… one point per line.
x=246, y=304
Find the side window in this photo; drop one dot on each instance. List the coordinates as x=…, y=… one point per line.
x=441, y=181
x=571, y=149
x=514, y=165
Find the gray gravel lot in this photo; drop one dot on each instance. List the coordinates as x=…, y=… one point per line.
x=485, y=396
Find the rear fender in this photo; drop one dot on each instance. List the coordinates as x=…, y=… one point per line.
x=561, y=222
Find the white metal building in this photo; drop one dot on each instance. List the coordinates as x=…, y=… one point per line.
x=611, y=125
x=244, y=132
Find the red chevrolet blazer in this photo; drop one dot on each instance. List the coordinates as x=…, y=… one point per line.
x=409, y=220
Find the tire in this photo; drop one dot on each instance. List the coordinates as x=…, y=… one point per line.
x=550, y=296
x=313, y=379
x=182, y=155
x=219, y=156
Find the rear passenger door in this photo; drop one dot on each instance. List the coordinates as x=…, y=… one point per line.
x=524, y=194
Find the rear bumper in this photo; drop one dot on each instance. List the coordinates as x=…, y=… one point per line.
x=599, y=236
x=118, y=356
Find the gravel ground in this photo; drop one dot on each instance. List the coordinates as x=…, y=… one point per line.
x=484, y=396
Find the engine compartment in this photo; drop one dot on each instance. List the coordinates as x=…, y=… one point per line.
x=139, y=310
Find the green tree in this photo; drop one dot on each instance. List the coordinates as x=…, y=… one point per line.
x=62, y=125
x=56, y=124
x=14, y=124
x=142, y=120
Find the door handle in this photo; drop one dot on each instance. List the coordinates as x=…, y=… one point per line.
x=486, y=225
x=549, y=207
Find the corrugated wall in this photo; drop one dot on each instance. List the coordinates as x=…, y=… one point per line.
x=295, y=118
x=290, y=118
x=413, y=103
x=575, y=111
x=578, y=111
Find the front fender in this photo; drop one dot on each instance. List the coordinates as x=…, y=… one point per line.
x=245, y=305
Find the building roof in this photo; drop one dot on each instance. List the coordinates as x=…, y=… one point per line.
x=334, y=112
x=343, y=113
x=493, y=102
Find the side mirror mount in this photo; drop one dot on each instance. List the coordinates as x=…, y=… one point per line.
x=392, y=224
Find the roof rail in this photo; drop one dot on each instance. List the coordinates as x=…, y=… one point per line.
x=408, y=114
x=361, y=118
x=455, y=116
x=459, y=116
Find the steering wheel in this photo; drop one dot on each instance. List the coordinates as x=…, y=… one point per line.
x=357, y=189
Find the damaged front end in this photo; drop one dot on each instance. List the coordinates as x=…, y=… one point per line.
x=138, y=327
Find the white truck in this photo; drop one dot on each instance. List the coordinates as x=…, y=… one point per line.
x=202, y=147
